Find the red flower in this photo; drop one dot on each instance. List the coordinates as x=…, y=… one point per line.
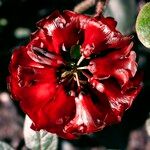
x=76, y=75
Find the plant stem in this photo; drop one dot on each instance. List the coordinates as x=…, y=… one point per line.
x=100, y=5
x=86, y=4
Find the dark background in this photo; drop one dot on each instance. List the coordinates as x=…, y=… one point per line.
x=17, y=20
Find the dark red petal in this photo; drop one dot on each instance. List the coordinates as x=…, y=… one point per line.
x=32, y=87
x=67, y=36
x=101, y=102
x=118, y=64
x=100, y=36
x=59, y=131
x=120, y=100
x=44, y=57
x=47, y=26
x=50, y=23
x=87, y=118
x=96, y=84
x=70, y=15
x=110, y=22
x=42, y=40
x=58, y=31
x=55, y=113
x=20, y=57
x=94, y=38
x=80, y=19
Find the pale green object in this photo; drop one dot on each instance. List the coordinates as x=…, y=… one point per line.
x=22, y=32
x=5, y=146
x=3, y=22
x=143, y=25
x=39, y=140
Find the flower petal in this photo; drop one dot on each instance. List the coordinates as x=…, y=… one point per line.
x=32, y=87
x=119, y=64
x=60, y=36
x=50, y=23
x=58, y=24
x=42, y=40
x=99, y=36
x=20, y=57
x=111, y=100
x=87, y=118
x=44, y=57
x=55, y=113
x=119, y=99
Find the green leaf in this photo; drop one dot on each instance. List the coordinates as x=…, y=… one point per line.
x=38, y=140
x=75, y=52
x=5, y=146
x=143, y=25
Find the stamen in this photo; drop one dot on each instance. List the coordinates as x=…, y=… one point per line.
x=80, y=60
x=77, y=79
x=82, y=68
x=67, y=78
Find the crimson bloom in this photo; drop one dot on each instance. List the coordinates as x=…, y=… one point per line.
x=76, y=75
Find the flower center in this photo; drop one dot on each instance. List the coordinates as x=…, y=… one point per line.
x=71, y=74
x=70, y=71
